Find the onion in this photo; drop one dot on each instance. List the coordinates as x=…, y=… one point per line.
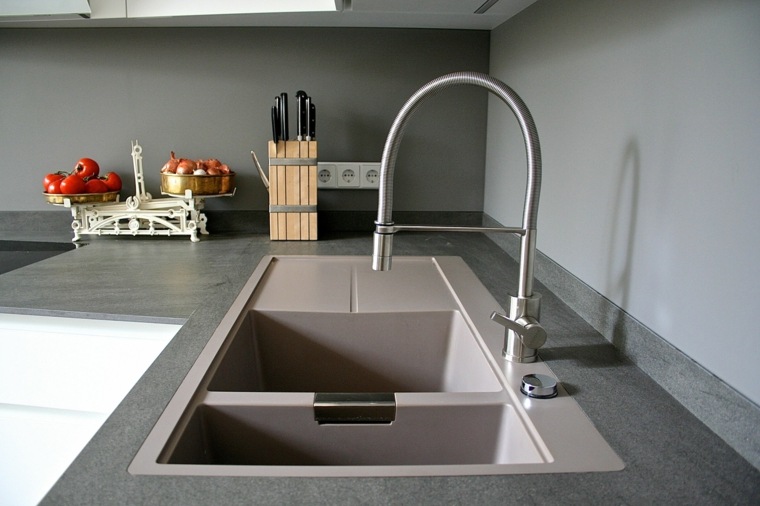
x=211, y=166
x=212, y=163
x=170, y=167
x=185, y=166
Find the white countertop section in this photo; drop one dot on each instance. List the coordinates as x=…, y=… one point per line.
x=60, y=378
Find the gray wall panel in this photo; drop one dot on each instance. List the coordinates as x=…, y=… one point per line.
x=203, y=92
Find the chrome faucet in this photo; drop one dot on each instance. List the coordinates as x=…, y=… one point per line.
x=523, y=333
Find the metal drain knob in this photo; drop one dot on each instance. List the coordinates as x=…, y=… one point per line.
x=539, y=386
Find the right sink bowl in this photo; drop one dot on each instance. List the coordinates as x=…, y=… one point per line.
x=323, y=367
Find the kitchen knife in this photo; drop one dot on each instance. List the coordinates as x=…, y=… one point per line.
x=298, y=117
x=301, y=125
x=308, y=108
x=284, y=116
x=275, y=124
x=312, y=121
x=278, y=108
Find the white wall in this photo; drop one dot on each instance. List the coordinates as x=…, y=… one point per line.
x=649, y=118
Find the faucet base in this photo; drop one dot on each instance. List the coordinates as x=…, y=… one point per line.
x=514, y=348
x=528, y=357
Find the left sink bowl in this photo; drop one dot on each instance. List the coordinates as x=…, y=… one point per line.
x=298, y=351
x=418, y=336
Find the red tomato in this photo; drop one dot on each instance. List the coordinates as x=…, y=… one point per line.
x=54, y=187
x=86, y=167
x=113, y=182
x=73, y=184
x=50, y=178
x=95, y=186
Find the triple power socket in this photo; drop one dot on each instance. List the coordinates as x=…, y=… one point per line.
x=348, y=175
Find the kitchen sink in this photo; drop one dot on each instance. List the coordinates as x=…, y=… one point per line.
x=247, y=434
x=17, y=254
x=323, y=367
x=297, y=351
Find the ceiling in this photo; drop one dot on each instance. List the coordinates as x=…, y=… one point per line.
x=443, y=14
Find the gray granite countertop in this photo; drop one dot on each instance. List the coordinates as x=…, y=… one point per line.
x=670, y=456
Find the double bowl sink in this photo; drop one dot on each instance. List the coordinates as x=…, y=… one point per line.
x=323, y=367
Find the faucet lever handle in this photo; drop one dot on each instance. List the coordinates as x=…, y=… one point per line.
x=531, y=333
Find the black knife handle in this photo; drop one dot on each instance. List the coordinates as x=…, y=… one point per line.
x=303, y=126
x=284, y=116
x=278, y=109
x=307, y=112
x=312, y=121
x=275, y=124
x=299, y=120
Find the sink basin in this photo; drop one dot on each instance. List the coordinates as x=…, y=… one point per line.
x=17, y=254
x=421, y=435
x=296, y=351
x=323, y=367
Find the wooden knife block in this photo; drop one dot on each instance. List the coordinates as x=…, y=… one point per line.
x=293, y=190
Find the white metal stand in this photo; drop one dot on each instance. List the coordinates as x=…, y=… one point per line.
x=141, y=214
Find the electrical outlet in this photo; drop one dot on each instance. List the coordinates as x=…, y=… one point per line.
x=370, y=175
x=327, y=175
x=349, y=175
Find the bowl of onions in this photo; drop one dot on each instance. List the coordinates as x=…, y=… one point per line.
x=201, y=177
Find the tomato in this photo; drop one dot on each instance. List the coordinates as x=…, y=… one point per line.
x=54, y=187
x=95, y=186
x=86, y=167
x=50, y=178
x=113, y=182
x=73, y=184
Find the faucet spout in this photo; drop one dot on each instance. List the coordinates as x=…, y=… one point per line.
x=384, y=223
x=385, y=228
x=381, y=254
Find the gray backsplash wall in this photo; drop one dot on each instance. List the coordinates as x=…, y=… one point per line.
x=207, y=92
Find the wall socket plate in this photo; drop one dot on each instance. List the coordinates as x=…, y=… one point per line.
x=370, y=177
x=327, y=175
x=348, y=175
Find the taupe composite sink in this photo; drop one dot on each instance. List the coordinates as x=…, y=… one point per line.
x=301, y=351
x=323, y=367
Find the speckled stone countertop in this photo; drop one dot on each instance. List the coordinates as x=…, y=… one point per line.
x=670, y=456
